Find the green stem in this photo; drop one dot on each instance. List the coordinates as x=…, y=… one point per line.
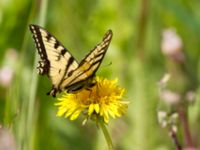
x=33, y=86
x=31, y=116
x=143, y=18
x=106, y=134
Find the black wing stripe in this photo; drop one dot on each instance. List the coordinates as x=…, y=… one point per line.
x=63, y=51
x=38, y=38
x=56, y=44
x=70, y=62
x=44, y=65
x=48, y=36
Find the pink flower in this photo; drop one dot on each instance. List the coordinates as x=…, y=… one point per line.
x=6, y=75
x=172, y=46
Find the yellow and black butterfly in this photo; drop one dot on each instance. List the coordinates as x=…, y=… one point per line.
x=61, y=67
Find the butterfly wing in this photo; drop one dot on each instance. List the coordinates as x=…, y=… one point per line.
x=88, y=66
x=56, y=61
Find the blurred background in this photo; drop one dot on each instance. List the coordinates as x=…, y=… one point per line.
x=154, y=53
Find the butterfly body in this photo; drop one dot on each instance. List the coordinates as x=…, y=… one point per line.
x=65, y=73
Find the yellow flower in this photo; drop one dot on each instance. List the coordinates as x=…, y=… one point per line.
x=104, y=99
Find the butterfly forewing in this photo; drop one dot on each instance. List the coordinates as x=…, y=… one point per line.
x=95, y=57
x=89, y=65
x=56, y=61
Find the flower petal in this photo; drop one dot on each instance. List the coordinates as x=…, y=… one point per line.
x=96, y=108
x=91, y=109
x=75, y=114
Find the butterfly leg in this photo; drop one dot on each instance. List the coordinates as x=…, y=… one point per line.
x=89, y=86
x=89, y=89
x=98, y=86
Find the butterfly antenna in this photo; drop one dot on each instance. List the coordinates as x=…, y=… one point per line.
x=109, y=64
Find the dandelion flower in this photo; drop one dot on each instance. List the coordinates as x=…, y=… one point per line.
x=104, y=100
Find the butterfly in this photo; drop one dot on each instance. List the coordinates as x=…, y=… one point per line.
x=65, y=73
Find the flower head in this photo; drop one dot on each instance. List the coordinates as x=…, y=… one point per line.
x=172, y=45
x=104, y=99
